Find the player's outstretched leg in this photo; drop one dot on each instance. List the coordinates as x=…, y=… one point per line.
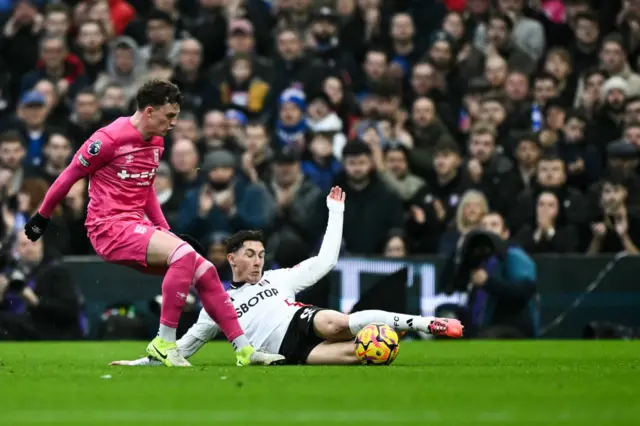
x=336, y=326
x=217, y=304
x=181, y=261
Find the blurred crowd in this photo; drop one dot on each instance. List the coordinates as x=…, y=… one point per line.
x=429, y=113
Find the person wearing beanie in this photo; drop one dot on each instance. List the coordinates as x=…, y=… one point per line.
x=222, y=203
x=291, y=124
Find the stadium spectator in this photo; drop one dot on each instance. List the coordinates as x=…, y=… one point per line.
x=125, y=66
x=552, y=176
x=322, y=166
x=12, y=155
x=394, y=170
x=550, y=233
x=91, y=42
x=616, y=229
x=40, y=299
x=396, y=246
x=192, y=81
x=372, y=210
x=470, y=210
x=168, y=197
x=56, y=153
x=86, y=117
x=222, y=203
x=296, y=204
x=57, y=64
x=32, y=116
x=74, y=211
x=184, y=159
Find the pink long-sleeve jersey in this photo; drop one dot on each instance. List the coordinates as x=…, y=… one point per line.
x=121, y=166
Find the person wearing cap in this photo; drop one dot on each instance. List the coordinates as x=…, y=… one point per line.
x=441, y=51
x=296, y=217
x=32, y=114
x=324, y=42
x=161, y=36
x=373, y=210
x=222, y=202
x=291, y=124
x=241, y=40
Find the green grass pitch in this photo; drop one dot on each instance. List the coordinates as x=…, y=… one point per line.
x=431, y=383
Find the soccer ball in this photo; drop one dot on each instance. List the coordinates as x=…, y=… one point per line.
x=377, y=343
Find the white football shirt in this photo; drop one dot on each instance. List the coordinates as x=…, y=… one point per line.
x=265, y=309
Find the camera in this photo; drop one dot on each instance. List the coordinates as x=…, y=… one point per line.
x=476, y=248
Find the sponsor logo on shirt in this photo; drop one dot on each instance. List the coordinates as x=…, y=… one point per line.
x=83, y=161
x=243, y=308
x=145, y=176
x=94, y=148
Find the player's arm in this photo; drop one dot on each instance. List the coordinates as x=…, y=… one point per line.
x=310, y=271
x=154, y=211
x=93, y=154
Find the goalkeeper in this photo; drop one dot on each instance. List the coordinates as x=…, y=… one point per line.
x=275, y=322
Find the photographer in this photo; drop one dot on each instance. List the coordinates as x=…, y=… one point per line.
x=500, y=280
x=38, y=300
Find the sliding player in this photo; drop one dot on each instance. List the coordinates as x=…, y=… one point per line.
x=274, y=321
x=121, y=160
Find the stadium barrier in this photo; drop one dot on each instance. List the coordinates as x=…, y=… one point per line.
x=561, y=280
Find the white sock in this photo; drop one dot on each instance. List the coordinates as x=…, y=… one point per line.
x=399, y=322
x=240, y=342
x=189, y=345
x=167, y=333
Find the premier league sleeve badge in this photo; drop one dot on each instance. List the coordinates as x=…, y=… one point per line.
x=94, y=148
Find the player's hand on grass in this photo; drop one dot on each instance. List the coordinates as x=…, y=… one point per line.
x=35, y=227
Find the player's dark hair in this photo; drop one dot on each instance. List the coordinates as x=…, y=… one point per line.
x=156, y=93
x=235, y=242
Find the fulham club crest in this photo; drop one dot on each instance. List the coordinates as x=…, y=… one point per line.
x=94, y=148
x=156, y=156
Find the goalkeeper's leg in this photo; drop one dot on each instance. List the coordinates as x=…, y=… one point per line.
x=335, y=326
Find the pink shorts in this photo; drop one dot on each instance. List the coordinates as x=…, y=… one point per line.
x=125, y=243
